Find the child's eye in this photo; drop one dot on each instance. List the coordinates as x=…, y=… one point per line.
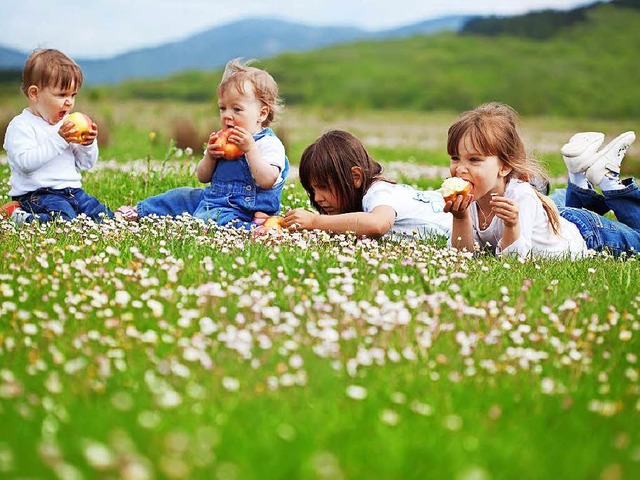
x=455, y=159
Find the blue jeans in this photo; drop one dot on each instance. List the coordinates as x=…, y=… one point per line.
x=585, y=208
x=179, y=201
x=45, y=204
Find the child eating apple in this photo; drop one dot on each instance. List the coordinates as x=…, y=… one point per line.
x=46, y=150
x=238, y=186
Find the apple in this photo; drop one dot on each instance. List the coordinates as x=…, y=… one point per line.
x=454, y=186
x=275, y=221
x=231, y=150
x=82, y=124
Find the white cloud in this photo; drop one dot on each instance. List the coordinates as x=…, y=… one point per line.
x=99, y=28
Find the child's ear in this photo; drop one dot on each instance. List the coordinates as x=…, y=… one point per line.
x=264, y=113
x=356, y=173
x=32, y=92
x=504, y=170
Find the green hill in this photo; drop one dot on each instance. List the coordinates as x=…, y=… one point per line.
x=587, y=69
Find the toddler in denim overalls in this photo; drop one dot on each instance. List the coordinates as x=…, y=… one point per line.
x=238, y=188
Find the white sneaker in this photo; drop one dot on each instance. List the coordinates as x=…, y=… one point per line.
x=579, y=152
x=20, y=216
x=610, y=157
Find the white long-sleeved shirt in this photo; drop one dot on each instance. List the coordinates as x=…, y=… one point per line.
x=418, y=213
x=39, y=157
x=536, y=236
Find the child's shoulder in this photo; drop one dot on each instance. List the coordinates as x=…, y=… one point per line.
x=522, y=192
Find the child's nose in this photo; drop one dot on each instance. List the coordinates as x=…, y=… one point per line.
x=461, y=168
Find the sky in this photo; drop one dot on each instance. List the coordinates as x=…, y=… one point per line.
x=104, y=28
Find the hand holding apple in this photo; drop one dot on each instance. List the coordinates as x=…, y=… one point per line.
x=454, y=186
x=230, y=150
x=78, y=128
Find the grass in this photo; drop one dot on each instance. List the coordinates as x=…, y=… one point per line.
x=175, y=349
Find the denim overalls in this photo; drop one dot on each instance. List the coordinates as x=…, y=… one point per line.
x=232, y=197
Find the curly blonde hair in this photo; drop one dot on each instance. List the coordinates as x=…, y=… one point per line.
x=237, y=73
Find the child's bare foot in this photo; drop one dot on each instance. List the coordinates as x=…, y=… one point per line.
x=128, y=213
x=259, y=218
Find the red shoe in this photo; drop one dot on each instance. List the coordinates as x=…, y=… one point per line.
x=8, y=208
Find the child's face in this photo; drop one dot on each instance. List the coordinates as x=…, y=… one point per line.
x=324, y=196
x=51, y=103
x=242, y=109
x=485, y=173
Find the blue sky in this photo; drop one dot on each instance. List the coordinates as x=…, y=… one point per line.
x=103, y=28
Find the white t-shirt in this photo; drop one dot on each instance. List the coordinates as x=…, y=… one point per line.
x=536, y=235
x=272, y=152
x=418, y=213
x=39, y=157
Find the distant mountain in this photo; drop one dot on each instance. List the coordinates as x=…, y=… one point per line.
x=11, y=59
x=211, y=49
x=538, y=25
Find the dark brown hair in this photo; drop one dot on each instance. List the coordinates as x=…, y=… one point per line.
x=328, y=162
x=236, y=74
x=492, y=129
x=50, y=68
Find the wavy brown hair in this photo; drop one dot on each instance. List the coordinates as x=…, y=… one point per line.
x=328, y=162
x=492, y=128
x=50, y=68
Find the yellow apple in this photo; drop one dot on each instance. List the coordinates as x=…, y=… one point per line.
x=81, y=122
x=273, y=222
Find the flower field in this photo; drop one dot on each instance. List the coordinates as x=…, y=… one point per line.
x=176, y=349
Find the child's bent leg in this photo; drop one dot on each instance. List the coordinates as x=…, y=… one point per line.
x=91, y=206
x=588, y=198
x=625, y=203
x=172, y=202
x=47, y=204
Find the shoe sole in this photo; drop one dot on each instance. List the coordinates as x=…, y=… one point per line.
x=599, y=167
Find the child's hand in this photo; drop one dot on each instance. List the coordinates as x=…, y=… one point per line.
x=213, y=147
x=90, y=136
x=459, y=206
x=299, y=219
x=242, y=138
x=506, y=209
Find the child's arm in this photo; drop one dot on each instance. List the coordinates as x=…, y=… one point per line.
x=462, y=227
x=263, y=173
x=506, y=209
x=373, y=224
x=207, y=165
x=25, y=153
x=84, y=150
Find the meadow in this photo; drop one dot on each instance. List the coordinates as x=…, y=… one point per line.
x=176, y=349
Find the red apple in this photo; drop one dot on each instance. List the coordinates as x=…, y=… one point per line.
x=82, y=124
x=231, y=150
